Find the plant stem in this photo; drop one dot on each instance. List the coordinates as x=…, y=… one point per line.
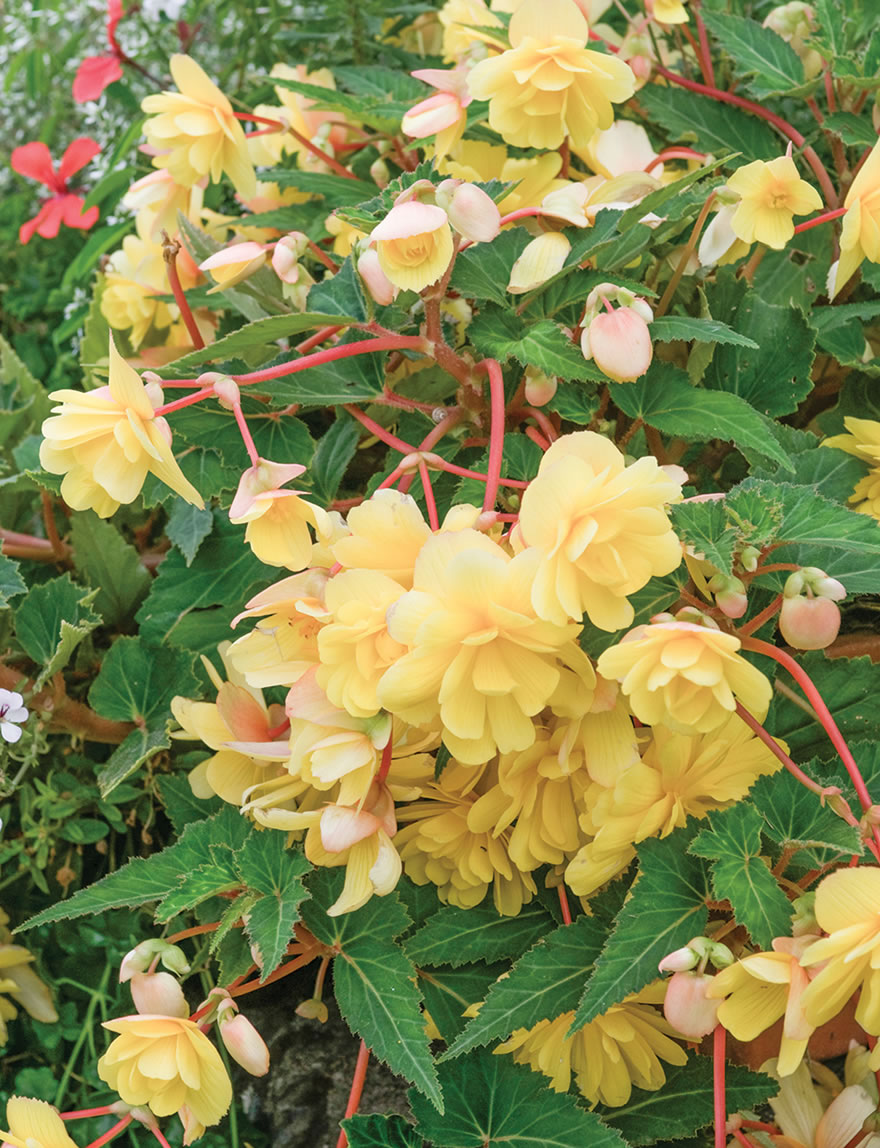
x=357, y=1088
x=496, y=432
x=433, y=520
x=113, y=1132
x=759, y=619
x=685, y=257
x=719, y=1041
x=170, y=248
x=246, y=435
x=825, y=217
x=563, y=904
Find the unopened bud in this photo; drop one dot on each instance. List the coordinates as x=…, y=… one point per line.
x=287, y=254
x=380, y=173
x=686, y=1006
x=139, y=959
x=804, y=916
x=539, y=388
x=748, y=560
x=471, y=212
x=153, y=391
x=809, y=623
x=377, y=283
x=313, y=1009
x=244, y=1044
x=730, y=595
x=679, y=961
x=158, y=994
x=541, y=259
x=620, y=343
x=227, y=392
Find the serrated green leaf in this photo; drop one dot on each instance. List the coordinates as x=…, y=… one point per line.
x=340, y=191
x=493, y=1103
x=238, y=909
x=137, y=681
x=339, y=295
x=739, y=875
x=459, y=936
x=188, y=526
x=181, y=804
x=483, y=271
x=449, y=992
x=380, y=1132
x=266, y=865
x=666, y=908
x=546, y=981
x=374, y=982
x=11, y=582
x=575, y=402
x=259, y=333
x=51, y=621
x=715, y=127
x=197, y=885
x=665, y=399
x=336, y=448
x=110, y=564
x=793, y=816
x=685, y=1102
x=499, y=333
x=344, y=381
x=668, y=328
x=758, y=52
x=139, y=746
x=855, y=131
x=706, y=527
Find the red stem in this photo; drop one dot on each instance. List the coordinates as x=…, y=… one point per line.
x=357, y=1088
x=825, y=217
x=536, y=437
x=319, y=337
x=759, y=619
x=186, y=401
x=563, y=904
x=331, y=354
x=496, y=432
x=170, y=252
x=158, y=1134
x=304, y=140
x=82, y=1113
x=743, y=1139
x=758, y=1126
x=719, y=1040
x=543, y=422
x=114, y=1131
x=195, y=931
x=321, y=254
x=433, y=520
x=674, y=153
x=705, y=54
x=246, y=435
x=387, y=750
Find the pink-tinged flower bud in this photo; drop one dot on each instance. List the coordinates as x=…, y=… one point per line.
x=233, y=264
x=540, y=388
x=641, y=67
x=244, y=1044
x=158, y=994
x=313, y=1009
x=377, y=283
x=471, y=212
x=228, y=393
x=748, y=560
x=620, y=343
x=809, y=623
x=139, y=959
x=687, y=1008
x=380, y=172
x=287, y=254
x=543, y=258
x=432, y=115
x=730, y=595
x=679, y=961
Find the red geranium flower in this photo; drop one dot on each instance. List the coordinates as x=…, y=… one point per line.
x=34, y=161
x=96, y=73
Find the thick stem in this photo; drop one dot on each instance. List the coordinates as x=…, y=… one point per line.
x=319, y=337
x=323, y=257
x=66, y=715
x=82, y=1113
x=357, y=1088
x=759, y=619
x=496, y=432
x=331, y=354
x=719, y=1041
x=705, y=53
x=170, y=248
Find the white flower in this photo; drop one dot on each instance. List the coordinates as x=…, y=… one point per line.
x=11, y=710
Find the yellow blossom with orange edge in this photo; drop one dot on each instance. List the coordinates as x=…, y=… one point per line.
x=106, y=441
x=846, y=909
x=195, y=132
x=600, y=528
x=277, y=520
x=548, y=86
x=685, y=674
x=625, y=1046
x=34, y=1124
x=166, y=1063
x=863, y=441
x=771, y=193
x=860, y=235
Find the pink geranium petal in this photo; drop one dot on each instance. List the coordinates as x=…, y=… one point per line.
x=50, y=217
x=95, y=74
x=75, y=216
x=78, y=154
x=34, y=161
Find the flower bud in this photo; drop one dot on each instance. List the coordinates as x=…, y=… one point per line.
x=620, y=343
x=380, y=173
x=243, y=1043
x=540, y=388
x=227, y=392
x=158, y=994
x=312, y=1009
x=377, y=283
x=287, y=254
x=679, y=961
x=141, y=957
x=730, y=595
x=809, y=623
x=543, y=258
x=233, y=264
x=153, y=391
x=687, y=1008
x=804, y=915
x=748, y=560
x=471, y=212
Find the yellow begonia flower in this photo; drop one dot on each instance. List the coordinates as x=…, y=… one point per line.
x=539, y=261
x=136, y=278
x=621, y=1048
x=195, y=131
x=677, y=777
x=533, y=178
x=860, y=235
x=685, y=676
x=460, y=20
x=548, y=86
x=478, y=656
x=600, y=527
x=277, y=520
x=234, y=264
x=798, y=1112
x=669, y=11
x=157, y=199
x=387, y=531
x=770, y=194
x=762, y=988
x=34, y=1124
x=106, y=441
x=846, y=909
x=863, y=441
x=166, y=1062
x=414, y=244
x=19, y=981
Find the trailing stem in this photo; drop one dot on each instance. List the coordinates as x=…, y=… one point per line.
x=357, y=1088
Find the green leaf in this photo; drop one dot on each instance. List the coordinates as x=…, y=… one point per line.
x=741, y=876
x=137, y=681
x=714, y=127
x=546, y=981
x=260, y=333
x=774, y=378
x=140, y=745
x=336, y=449
x=575, y=402
x=375, y=984
x=268, y=866
x=498, y=333
x=668, y=328
x=188, y=526
x=51, y=622
x=666, y=908
x=685, y=1102
x=449, y=992
x=181, y=804
x=98, y=242
x=11, y=582
x=380, y=1132
x=705, y=526
x=110, y=564
x=456, y=936
x=339, y=295
x=772, y=64
x=340, y=191
x=493, y=1103
x=855, y=131
x=665, y=399
x=93, y=349
x=346, y=380
x=483, y=271
x=793, y=816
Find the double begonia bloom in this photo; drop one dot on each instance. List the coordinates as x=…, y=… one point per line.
x=166, y=1062
x=34, y=1124
x=414, y=244
x=34, y=161
x=479, y=658
x=800, y=1113
x=548, y=85
x=685, y=676
x=195, y=131
x=761, y=988
x=277, y=520
x=387, y=533
x=771, y=193
x=531, y=178
x=846, y=909
x=106, y=441
x=600, y=528
x=860, y=234
x=862, y=439
x=157, y=199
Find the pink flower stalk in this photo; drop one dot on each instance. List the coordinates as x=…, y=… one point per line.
x=33, y=161
x=96, y=73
